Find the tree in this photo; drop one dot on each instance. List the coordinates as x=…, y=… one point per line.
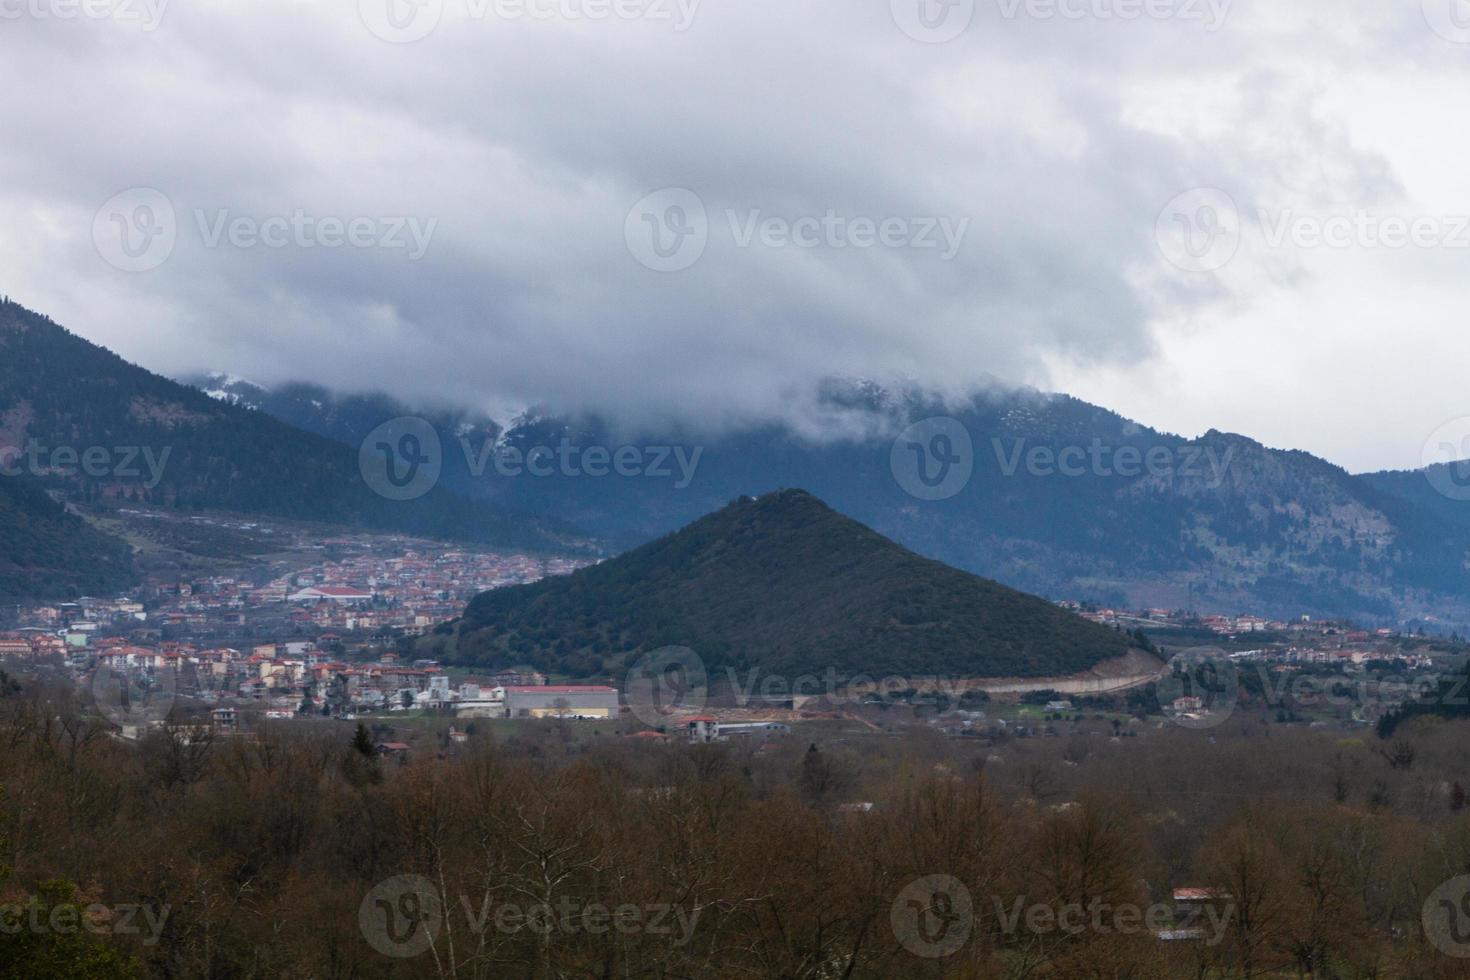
x=54, y=954
x=362, y=742
x=821, y=778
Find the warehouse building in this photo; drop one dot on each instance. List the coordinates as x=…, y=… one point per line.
x=561, y=701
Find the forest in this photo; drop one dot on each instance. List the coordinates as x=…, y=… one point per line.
x=551, y=848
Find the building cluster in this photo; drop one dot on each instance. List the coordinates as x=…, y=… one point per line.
x=307, y=677
x=704, y=728
x=409, y=593
x=308, y=640
x=1237, y=625
x=361, y=597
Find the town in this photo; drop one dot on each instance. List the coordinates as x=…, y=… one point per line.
x=327, y=640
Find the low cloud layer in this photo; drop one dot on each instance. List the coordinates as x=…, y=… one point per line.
x=664, y=209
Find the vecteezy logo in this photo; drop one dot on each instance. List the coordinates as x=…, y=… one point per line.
x=1199, y=231
x=933, y=21
x=1450, y=19
x=134, y=696
x=665, y=682
x=136, y=230
x=667, y=231
x=933, y=459
x=400, y=21
x=1199, y=688
x=1446, y=917
x=933, y=916
x=401, y=459
x=401, y=917
x=1446, y=459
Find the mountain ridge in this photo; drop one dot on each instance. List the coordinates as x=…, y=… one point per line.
x=59, y=392
x=1275, y=531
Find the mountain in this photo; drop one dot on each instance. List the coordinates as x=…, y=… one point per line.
x=102, y=430
x=785, y=584
x=347, y=418
x=46, y=552
x=1061, y=501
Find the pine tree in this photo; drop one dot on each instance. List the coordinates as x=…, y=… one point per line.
x=362, y=741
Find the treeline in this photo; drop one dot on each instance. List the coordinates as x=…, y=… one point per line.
x=552, y=851
x=1449, y=699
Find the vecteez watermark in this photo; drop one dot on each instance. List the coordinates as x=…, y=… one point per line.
x=138, y=919
x=407, y=21
x=663, y=684
x=403, y=916
x=1098, y=458
x=1201, y=688
x=1021, y=916
x=935, y=459
x=663, y=462
x=1209, y=14
x=1446, y=459
x=941, y=21
x=670, y=229
x=137, y=230
x=1203, y=229
x=1450, y=19
x=143, y=463
x=403, y=459
x=1198, y=688
x=1445, y=916
x=933, y=917
x=756, y=686
x=146, y=15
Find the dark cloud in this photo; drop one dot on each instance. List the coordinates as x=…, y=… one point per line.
x=523, y=144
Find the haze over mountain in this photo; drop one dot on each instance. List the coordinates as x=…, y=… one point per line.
x=82, y=421
x=528, y=286
x=785, y=584
x=1062, y=499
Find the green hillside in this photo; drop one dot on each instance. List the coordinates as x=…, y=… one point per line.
x=47, y=553
x=786, y=584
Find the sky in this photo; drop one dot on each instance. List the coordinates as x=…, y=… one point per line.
x=1252, y=216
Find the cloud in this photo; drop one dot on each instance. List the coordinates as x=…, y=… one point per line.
x=1038, y=147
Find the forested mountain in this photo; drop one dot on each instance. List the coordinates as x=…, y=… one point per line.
x=781, y=583
x=159, y=442
x=1442, y=490
x=1219, y=523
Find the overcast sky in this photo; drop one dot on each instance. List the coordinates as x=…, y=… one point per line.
x=1201, y=214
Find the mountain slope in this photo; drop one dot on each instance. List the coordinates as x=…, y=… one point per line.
x=1226, y=525
x=46, y=553
x=168, y=444
x=1439, y=490
x=786, y=584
